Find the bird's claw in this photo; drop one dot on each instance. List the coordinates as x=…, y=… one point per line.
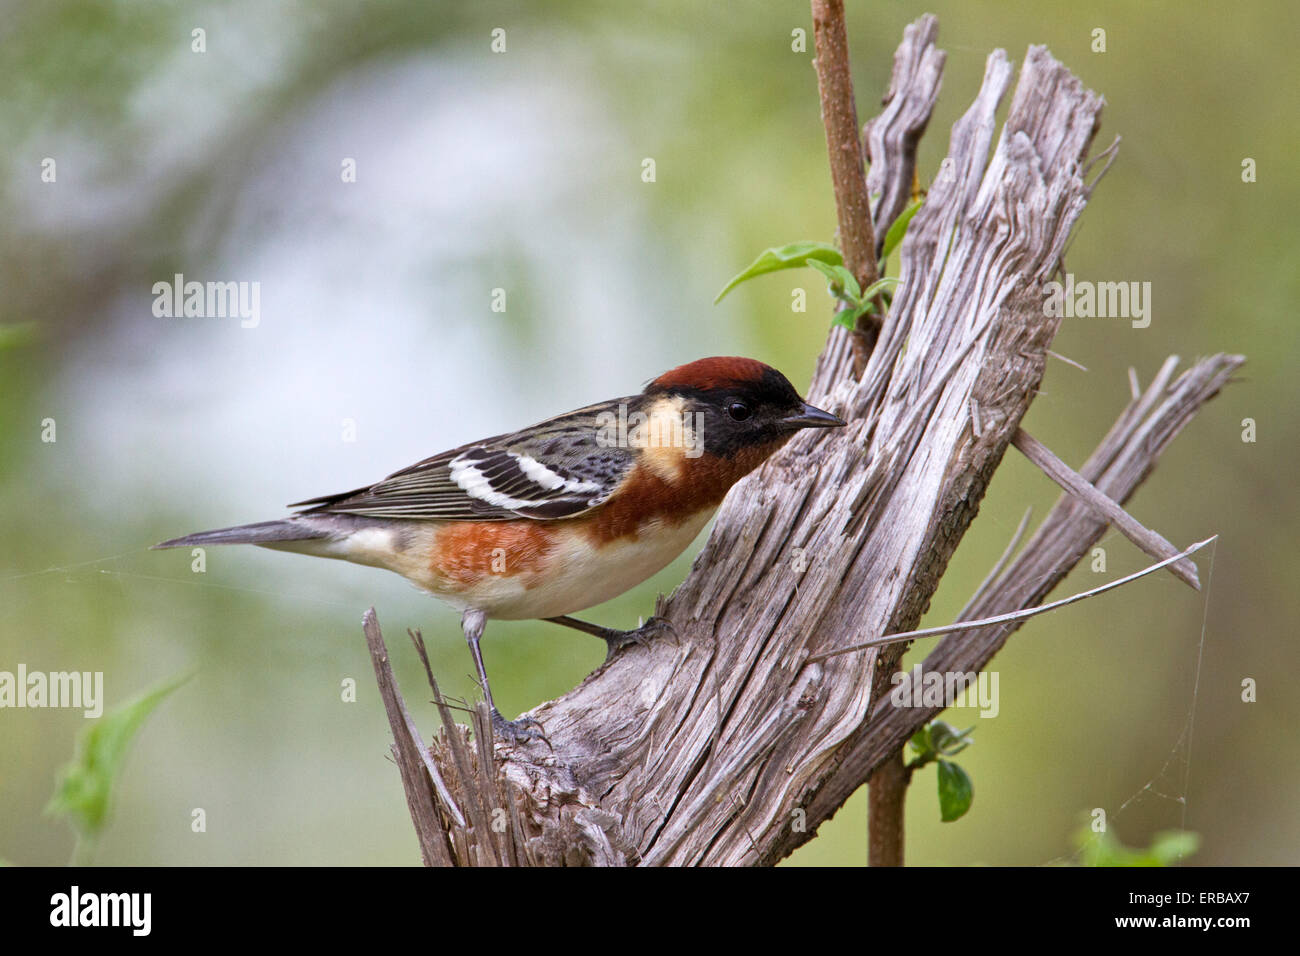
x=615, y=641
x=659, y=625
x=518, y=731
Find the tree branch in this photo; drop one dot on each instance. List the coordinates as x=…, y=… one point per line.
x=886, y=802
x=730, y=745
x=891, y=141
x=408, y=751
x=1149, y=541
x=1123, y=460
x=840, y=118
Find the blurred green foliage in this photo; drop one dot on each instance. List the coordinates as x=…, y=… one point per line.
x=1167, y=848
x=85, y=785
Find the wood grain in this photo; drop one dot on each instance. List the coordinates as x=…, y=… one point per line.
x=725, y=745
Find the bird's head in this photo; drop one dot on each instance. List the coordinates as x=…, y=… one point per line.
x=740, y=405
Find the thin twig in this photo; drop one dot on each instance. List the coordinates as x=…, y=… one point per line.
x=488, y=782
x=1067, y=360
x=1149, y=541
x=478, y=813
x=417, y=638
x=848, y=175
x=407, y=747
x=1012, y=616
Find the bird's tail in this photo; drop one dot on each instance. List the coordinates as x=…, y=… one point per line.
x=263, y=532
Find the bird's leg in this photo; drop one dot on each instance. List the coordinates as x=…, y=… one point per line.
x=472, y=623
x=615, y=639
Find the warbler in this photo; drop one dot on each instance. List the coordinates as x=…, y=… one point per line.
x=562, y=515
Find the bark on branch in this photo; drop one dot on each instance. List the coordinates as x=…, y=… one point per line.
x=728, y=746
x=848, y=175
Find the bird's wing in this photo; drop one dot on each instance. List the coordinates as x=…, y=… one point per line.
x=557, y=469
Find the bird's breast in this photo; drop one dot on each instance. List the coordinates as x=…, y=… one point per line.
x=531, y=569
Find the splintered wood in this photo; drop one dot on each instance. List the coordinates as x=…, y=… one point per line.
x=727, y=745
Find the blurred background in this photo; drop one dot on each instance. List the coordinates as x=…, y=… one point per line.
x=377, y=344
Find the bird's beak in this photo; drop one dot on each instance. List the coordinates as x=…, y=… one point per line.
x=810, y=416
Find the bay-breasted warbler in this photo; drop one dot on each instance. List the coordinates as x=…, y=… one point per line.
x=562, y=515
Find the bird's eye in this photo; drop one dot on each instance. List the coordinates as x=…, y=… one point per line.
x=738, y=411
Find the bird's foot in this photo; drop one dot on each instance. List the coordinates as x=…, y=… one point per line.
x=616, y=640
x=519, y=731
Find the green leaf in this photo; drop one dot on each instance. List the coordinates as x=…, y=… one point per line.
x=880, y=285
x=898, y=228
x=793, y=256
x=1173, y=846
x=843, y=285
x=949, y=741
x=846, y=318
x=921, y=741
x=86, y=783
x=955, y=791
x=1167, y=848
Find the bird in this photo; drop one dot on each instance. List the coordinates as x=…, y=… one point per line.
x=559, y=516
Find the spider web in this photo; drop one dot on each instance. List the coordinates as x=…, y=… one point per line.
x=1165, y=785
